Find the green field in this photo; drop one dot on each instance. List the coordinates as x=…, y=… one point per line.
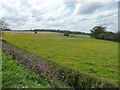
x=95, y=57
x=15, y=75
x=81, y=36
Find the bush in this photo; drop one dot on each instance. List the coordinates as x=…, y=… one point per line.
x=67, y=33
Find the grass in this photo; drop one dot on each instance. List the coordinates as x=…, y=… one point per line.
x=96, y=57
x=81, y=36
x=15, y=75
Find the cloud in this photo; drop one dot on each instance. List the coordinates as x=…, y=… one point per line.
x=63, y=14
x=87, y=8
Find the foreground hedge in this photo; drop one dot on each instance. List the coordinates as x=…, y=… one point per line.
x=55, y=73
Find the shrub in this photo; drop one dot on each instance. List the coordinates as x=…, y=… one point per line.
x=66, y=33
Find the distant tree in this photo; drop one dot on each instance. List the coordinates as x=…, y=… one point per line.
x=3, y=24
x=100, y=32
x=96, y=31
x=35, y=32
x=66, y=33
x=116, y=37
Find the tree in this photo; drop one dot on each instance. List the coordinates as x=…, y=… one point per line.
x=96, y=31
x=35, y=31
x=3, y=24
x=100, y=32
x=66, y=33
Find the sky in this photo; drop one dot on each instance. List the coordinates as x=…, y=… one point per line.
x=73, y=15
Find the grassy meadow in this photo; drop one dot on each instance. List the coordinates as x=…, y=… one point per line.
x=95, y=57
x=81, y=36
x=15, y=75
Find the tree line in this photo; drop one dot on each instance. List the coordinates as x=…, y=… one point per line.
x=60, y=31
x=98, y=32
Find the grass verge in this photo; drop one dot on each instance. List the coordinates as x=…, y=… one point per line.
x=15, y=75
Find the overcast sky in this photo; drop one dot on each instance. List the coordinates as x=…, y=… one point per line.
x=60, y=14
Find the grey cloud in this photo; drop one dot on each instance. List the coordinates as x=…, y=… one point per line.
x=88, y=8
x=7, y=8
x=37, y=14
x=16, y=19
x=106, y=24
x=14, y=14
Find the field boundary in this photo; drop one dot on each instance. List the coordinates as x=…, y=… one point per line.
x=53, y=72
x=29, y=32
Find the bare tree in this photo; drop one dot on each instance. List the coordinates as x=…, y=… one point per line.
x=3, y=24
